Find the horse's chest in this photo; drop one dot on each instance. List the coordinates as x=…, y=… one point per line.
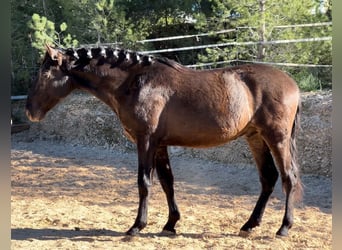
x=141, y=113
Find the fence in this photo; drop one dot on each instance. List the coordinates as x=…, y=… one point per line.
x=234, y=43
x=189, y=48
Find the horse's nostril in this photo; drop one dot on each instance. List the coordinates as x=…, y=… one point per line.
x=28, y=113
x=33, y=117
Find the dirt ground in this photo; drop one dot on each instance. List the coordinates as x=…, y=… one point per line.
x=68, y=196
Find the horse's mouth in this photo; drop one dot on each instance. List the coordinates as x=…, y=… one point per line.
x=38, y=116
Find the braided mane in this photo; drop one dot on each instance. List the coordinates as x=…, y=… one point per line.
x=117, y=57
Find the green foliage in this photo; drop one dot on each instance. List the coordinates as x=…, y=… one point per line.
x=44, y=32
x=312, y=79
x=257, y=21
x=24, y=58
x=36, y=22
x=63, y=27
x=308, y=82
x=261, y=17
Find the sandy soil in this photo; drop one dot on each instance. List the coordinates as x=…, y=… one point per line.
x=68, y=196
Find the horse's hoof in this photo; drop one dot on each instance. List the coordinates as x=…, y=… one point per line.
x=133, y=231
x=282, y=233
x=244, y=234
x=167, y=233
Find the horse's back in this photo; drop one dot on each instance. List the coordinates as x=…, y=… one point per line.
x=265, y=79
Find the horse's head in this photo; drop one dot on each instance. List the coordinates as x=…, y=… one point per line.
x=51, y=85
x=97, y=70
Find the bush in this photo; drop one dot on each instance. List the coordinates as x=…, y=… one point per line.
x=313, y=79
x=308, y=82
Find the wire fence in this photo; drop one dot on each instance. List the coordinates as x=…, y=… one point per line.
x=217, y=45
x=187, y=49
x=314, y=39
x=269, y=63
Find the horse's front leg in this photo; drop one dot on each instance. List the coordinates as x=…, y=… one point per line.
x=146, y=153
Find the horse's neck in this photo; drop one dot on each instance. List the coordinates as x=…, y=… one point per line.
x=100, y=85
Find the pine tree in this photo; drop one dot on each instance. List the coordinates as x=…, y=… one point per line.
x=44, y=32
x=257, y=21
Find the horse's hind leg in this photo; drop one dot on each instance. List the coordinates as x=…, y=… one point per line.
x=292, y=186
x=268, y=177
x=162, y=164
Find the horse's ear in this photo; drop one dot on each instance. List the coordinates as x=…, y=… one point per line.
x=55, y=54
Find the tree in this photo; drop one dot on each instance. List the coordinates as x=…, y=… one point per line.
x=44, y=32
x=256, y=20
x=128, y=21
x=24, y=58
x=159, y=12
x=88, y=20
x=164, y=18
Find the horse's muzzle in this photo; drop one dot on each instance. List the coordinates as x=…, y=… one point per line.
x=34, y=117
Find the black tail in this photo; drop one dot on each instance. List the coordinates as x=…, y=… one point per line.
x=298, y=188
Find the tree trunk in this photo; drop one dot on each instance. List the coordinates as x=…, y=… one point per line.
x=262, y=31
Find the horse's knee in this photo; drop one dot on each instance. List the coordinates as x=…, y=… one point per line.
x=144, y=186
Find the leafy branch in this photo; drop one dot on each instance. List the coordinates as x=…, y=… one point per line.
x=44, y=32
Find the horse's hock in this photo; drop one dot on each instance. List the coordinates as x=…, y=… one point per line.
x=83, y=119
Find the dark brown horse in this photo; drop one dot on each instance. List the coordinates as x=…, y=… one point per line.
x=160, y=103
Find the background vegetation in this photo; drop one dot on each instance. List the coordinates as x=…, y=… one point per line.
x=72, y=23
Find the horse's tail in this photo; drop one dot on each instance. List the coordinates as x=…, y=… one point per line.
x=298, y=188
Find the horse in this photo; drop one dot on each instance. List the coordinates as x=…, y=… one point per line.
x=162, y=103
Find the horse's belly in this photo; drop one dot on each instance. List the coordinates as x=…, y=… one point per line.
x=195, y=143
x=200, y=138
